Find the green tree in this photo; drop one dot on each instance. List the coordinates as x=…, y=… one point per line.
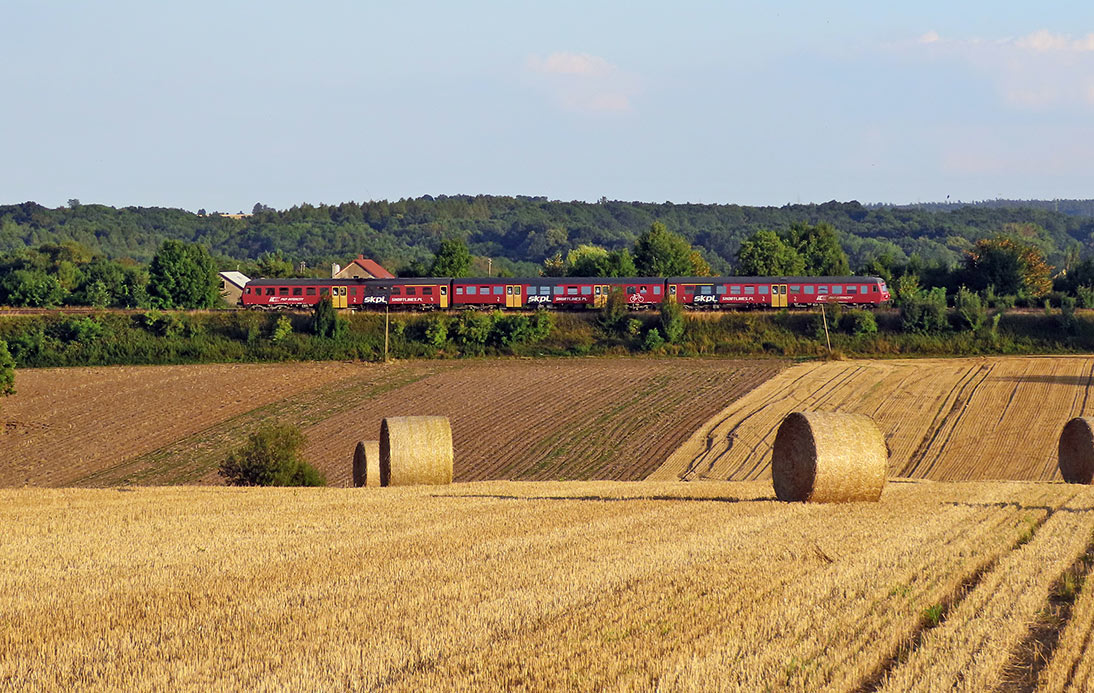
x=31, y=288
x=453, y=259
x=275, y=265
x=554, y=266
x=819, y=249
x=1009, y=266
x=7, y=370
x=182, y=275
x=594, y=261
x=672, y=321
x=764, y=254
x=661, y=253
x=326, y=323
x=271, y=457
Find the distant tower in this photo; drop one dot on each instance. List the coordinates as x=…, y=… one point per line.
x=335, y=269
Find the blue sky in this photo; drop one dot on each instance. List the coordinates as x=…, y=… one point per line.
x=219, y=105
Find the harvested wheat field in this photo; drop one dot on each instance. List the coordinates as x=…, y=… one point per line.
x=943, y=419
x=549, y=586
x=511, y=419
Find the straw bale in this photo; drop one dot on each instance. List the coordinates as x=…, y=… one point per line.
x=366, y=463
x=415, y=450
x=1077, y=450
x=827, y=457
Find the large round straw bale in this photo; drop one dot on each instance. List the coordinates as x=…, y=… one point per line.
x=1077, y=450
x=825, y=457
x=415, y=450
x=366, y=463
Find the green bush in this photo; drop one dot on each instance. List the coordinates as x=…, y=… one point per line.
x=858, y=322
x=7, y=370
x=653, y=340
x=282, y=329
x=969, y=312
x=1086, y=296
x=436, y=332
x=271, y=457
x=672, y=321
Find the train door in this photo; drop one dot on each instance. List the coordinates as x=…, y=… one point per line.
x=778, y=295
x=600, y=296
x=442, y=300
x=338, y=297
x=512, y=296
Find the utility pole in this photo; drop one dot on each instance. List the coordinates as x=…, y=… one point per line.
x=489, y=266
x=387, y=322
x=824, y=319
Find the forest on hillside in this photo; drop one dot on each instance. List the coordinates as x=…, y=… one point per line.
x=519, y=233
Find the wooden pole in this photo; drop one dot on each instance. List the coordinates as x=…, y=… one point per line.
x=824, y=319
x=387, y=322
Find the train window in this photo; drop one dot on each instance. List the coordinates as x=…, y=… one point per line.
x=630, y=291
x=427, y=291
x=411, y=291
x=809, y=289
x=247, y=290
x=837, y=288
x=734, y=290
x=689, y=289
x=544, y=291
x=852, y=289
x=282, y=291
x=764, y=290
x=297, y=291
x=531, y=291
x=721, y=289
x=706, y=290
x=310, y=291
x=508, y=291
x=750, y=291
x=324, y=291
x=270, y=291
x=444, y=291
x=864, y=288
x=499, y=290
x=459, y=291
x=795, y=288
x=472, y=290
x=396, y=291
x=571, y=291
x=559, y=291
x=657, y=290
x=586, y=291
x=672, y=289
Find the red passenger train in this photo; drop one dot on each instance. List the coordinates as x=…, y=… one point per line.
x=698, y=293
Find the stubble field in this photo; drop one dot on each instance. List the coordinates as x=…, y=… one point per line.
x=943, y=419
x=551, y=586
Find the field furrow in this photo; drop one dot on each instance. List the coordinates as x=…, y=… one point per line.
x=947, y=420
x=970, y=650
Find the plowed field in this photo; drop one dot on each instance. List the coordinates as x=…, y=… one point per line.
x=952, y=419
x=585, y=586
x=527, y=419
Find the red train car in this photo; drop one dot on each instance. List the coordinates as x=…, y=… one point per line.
x=776, y=292
x=554, y=292
x=424, y=293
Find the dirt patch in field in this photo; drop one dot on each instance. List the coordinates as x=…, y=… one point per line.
x=66, y=423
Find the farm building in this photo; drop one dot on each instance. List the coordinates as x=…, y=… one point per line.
x=360, y=267
x=231, y=286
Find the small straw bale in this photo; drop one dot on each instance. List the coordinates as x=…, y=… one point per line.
x=415, y=450
x=1077, y=450
x=366, y=463
x=828, y=457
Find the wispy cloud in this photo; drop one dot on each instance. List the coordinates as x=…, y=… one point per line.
x=584, y=82
x=1036, y=71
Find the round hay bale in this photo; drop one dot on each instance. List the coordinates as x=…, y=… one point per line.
x=825, y=457
x=415, y=450
x=366, y=463
x=1077, y=450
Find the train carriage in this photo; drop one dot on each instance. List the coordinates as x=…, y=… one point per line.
x=775, y=292
x=424, y=293
x=555, y=292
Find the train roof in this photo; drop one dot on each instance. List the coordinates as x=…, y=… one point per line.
x=771, y=280
x=355, y=281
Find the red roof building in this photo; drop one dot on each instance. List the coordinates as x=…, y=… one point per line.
x=361, y=267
